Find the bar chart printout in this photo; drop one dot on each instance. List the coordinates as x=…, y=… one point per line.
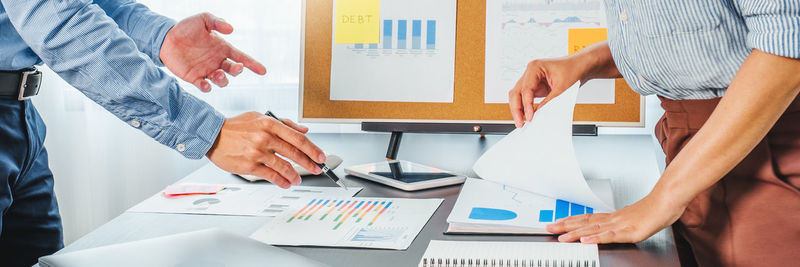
x=350, y=222
x=413, y=60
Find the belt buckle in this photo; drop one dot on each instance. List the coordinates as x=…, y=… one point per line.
x=24, y=85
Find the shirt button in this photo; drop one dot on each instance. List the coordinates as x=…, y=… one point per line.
x=623, y=16
x=136, y=123
x=180, y=147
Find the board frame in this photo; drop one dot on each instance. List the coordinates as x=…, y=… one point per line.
x=301, y=95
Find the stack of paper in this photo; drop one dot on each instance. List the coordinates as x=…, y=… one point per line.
x=532, y=178
x=540, y=158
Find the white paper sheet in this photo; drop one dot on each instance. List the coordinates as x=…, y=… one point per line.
x=485, y=206
x=540, y=158
x=388, y=223
x=519, y=31
x=240, y=199
x=420, y=68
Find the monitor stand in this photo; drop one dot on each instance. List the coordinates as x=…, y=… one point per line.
x=394, y=146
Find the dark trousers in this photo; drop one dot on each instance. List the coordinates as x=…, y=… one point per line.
x=29, y=219
x=751, y=217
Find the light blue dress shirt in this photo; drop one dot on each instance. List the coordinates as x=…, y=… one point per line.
x=693, y=49
x=109, y=50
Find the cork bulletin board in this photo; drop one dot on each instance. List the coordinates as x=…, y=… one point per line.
x=468, y=100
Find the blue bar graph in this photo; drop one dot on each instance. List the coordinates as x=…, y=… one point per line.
x=563, y=209
x=401, y=33
x=387, y=34
x=430, y=41
x=575, y=209
x=373, y=46
x=546, y=216
x=359, y=46
x=416, y=34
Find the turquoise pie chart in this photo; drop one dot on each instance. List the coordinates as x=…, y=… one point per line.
x=490, y=214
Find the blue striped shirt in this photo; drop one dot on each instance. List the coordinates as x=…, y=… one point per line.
x=692, y=49
x=109, y=50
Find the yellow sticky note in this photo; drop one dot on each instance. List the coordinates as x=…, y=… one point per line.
x=357, y=21
x=581, y=38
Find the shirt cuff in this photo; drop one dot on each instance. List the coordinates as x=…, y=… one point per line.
x=775, y=34
x=155, y=29
x=193, y=131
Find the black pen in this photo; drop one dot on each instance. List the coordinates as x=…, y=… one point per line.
x=327, y=171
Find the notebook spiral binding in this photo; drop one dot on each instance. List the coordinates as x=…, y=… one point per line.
x=463, y=262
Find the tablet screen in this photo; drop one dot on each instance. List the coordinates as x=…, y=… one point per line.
x=408, y=172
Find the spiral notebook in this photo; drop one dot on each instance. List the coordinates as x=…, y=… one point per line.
x=516, y=254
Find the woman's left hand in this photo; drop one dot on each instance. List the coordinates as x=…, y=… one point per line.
x=631, y=224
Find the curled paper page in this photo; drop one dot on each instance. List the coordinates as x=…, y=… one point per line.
x=540, y=158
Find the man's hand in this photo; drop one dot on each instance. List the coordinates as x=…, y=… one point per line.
x=195, y=52
x=249, y=144
x=632, y=224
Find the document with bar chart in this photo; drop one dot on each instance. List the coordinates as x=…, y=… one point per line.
x=489, y=207
x=519, y=31
x=413, y=62
x=385, y=223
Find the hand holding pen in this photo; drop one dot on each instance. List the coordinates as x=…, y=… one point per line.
x=250, y=144
x=327, y=171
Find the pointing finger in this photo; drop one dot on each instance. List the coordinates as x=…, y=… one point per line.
x=248, y=62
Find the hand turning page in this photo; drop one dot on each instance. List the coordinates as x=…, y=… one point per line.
x=540, y=158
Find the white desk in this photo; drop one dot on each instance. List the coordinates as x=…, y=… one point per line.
x=629, y=161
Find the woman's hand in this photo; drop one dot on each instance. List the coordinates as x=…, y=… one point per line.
x=632, y=224
x=542, y=78
x=550, y=77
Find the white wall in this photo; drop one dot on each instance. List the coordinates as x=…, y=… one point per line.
x=102, y=166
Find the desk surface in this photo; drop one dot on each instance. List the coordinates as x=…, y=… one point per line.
x=629, y=161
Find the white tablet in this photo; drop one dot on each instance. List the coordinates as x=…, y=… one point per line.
x=405, y=175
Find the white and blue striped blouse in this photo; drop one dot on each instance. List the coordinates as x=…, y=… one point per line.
x=691, y=49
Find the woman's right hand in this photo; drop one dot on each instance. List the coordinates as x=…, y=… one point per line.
x=549, y=78
x=543, y=78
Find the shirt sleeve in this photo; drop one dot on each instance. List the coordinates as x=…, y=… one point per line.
x=145, y=27
x=87, y=49
x=773, y=26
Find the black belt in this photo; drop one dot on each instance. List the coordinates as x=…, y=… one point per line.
x=22, y=84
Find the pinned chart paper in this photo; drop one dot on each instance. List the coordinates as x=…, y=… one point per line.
x=414, y=61
x=388, y=223
x=539, y=157
x=518, y=32
x=240, y=199
x=357, y=21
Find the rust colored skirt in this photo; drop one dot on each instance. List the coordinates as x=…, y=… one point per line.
x=752, y=216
